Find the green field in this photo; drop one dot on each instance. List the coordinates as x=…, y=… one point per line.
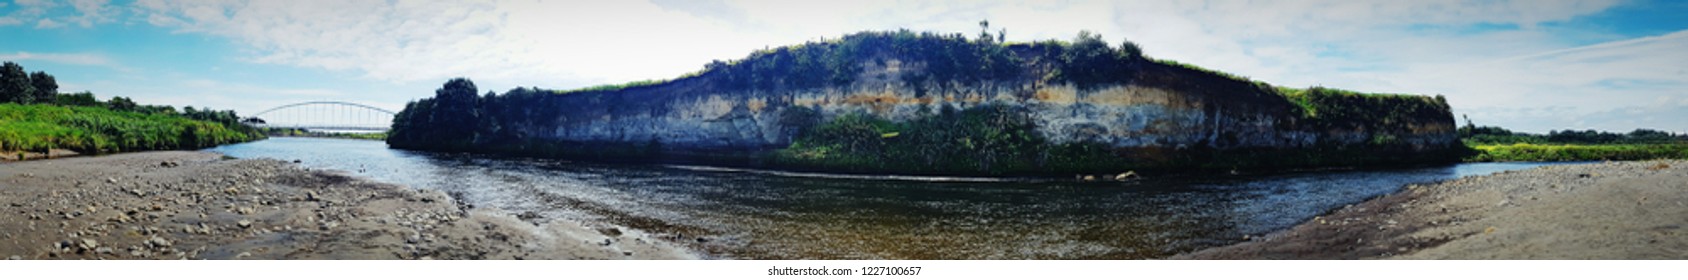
x=295, y=132
x=1577, y=152
x=95, y=130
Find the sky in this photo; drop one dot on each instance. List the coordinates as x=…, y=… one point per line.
x=1528, y=65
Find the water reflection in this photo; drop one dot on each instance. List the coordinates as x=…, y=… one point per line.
x=774, y=215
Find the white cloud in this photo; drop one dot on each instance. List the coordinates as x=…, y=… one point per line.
x=1595, y=80
x=48, y=23
x=407, y=41
x=213, y=86
x=85, y=13
x=91, y=12
x=90, y=59
x=27, y=11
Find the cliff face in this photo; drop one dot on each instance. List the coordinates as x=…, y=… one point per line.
x=691, y=114
x=1148, y=106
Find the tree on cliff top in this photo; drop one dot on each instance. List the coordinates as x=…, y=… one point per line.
x=1088, y=61
x=449, y=119
x=46, y=87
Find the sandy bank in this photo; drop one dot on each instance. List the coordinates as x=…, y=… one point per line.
x=1614, y=210
x=197, y=205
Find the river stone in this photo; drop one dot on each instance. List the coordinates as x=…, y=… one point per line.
x=159, y=242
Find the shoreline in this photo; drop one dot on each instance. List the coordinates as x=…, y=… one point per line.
x=1610, y=210
x=13, y=156
x=199, y=205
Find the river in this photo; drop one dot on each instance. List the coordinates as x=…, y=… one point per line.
x=751, y=214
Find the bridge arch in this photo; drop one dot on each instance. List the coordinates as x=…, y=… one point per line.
x=325, y=115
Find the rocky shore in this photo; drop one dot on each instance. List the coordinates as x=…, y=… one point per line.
x=198, y=205
x=1611, y=210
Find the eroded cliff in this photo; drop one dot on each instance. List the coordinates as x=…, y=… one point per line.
x=859, y=104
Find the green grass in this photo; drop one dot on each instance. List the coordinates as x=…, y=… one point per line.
x=359, y=136
x=1227, y=75
x=1577, y=152
x=615, y=87
x=93, y=130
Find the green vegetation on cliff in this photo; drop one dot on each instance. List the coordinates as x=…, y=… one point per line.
x=987, y=139
x=1390, y=115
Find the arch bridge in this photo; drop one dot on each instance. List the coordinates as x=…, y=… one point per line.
x=325, y=116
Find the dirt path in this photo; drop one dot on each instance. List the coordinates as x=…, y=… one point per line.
x=197, y=205
x=1614, y=210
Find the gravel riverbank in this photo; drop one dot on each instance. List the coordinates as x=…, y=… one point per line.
x=1611, y=210
x=199, y=205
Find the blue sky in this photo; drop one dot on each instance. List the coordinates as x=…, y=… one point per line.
x=1532, y=65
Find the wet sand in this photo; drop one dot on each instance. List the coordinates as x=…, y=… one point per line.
x=199, y=205
x=1612, y=210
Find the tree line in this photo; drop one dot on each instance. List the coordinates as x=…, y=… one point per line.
x=1494, y=135
x=22, y=87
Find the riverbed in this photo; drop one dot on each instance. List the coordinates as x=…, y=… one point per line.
x=750, y=214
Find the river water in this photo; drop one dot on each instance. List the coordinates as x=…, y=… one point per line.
x=776, y=215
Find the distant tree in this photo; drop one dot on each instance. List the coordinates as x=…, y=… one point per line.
x=1130, y=50
x=155, y=109
x=1650, y=136
x=78, y=99
x=119, y=103
x=46, y=87
x=14, y=84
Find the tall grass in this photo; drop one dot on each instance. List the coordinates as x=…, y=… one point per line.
x=92, y=130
